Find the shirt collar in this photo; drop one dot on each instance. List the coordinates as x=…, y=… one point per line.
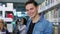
x=41, y=18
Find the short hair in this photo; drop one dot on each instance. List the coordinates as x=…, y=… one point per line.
x=31, y=2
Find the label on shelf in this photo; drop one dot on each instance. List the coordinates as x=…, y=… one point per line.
x=8, y=19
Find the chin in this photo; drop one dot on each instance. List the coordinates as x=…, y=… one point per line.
x=32, y=16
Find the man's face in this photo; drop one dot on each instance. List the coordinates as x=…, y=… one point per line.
x=31, y=10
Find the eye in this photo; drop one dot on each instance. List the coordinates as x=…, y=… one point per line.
x=31, y=8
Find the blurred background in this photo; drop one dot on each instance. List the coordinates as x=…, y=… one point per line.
x=11, y=10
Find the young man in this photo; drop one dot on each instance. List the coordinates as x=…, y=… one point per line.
x=36, y=24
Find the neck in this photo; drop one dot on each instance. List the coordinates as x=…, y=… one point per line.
x=36, y=18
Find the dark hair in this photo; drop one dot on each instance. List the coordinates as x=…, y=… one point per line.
x=31, y=2
x=17, y=21
x=24, y=21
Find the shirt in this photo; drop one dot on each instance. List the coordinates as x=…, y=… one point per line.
x=43, y=26
x=31, y=27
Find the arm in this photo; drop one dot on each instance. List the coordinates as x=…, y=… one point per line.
x=22, y=28
x=49, y=28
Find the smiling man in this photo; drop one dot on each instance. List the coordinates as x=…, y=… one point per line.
x=36, y=23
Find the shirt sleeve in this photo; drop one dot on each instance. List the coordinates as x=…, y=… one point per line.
x=24, y=27
x=49, y=28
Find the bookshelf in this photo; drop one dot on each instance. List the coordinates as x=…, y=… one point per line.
x=52, y=12
x=51, y=9
x=47, y=5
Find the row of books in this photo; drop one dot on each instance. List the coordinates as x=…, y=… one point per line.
x=46, y=3
x=52, y=15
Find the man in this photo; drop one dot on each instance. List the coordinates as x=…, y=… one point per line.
x=2, y=29
x=36, y=24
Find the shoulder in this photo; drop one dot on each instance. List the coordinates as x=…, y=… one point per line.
x=47, y=23
x=28, y=20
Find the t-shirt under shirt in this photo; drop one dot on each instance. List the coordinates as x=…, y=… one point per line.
x=31, y=27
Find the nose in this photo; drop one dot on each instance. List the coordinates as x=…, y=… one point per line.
x=29, y=12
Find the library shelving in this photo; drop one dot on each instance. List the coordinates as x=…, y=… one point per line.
x=47, y=5
x=52, y=12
